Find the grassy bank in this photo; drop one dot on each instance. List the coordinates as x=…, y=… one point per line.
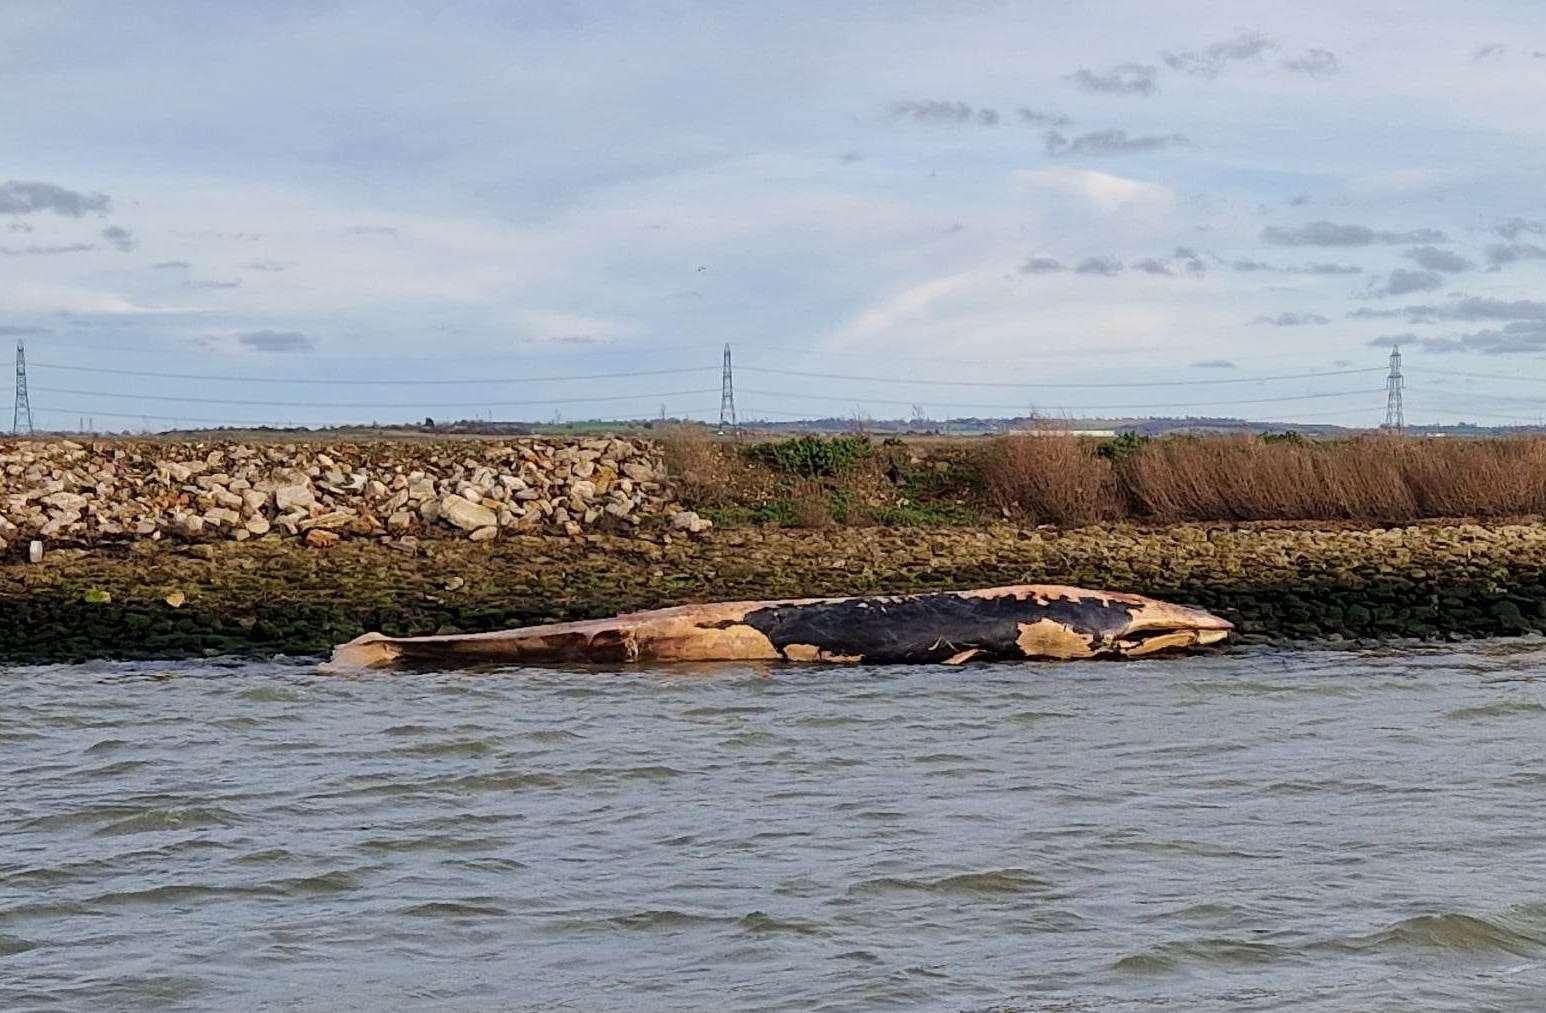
x=818, y=482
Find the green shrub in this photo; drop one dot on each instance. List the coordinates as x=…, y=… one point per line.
x=813, y=456
x=1125, y=446
x=1286, y=436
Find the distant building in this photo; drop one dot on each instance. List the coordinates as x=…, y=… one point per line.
x=1052, y=431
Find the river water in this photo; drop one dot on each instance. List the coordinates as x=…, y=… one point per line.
x=1253, y=830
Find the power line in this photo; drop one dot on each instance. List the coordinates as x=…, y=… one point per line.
x=238, y=378
x=1479, y=376
x=1038, y=386
x=753, y=413
x=1009, y=407
x=1478, y=394
x=276, y=423
x=629, y=374
x=372, y=404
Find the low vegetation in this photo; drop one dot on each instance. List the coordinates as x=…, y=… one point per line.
x=817, y=482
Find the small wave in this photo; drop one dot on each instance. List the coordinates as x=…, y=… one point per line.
x=863, y=956
x=271, y=694
x=554, y=735
x=105, y=746
x=760, y=923
x=754, y=737
x=1216, y=952
x=12, y=945
x=171, y=893
x=833, y=721
x=408, y=730
x=1032, y=717
x=712, y=712
x=1498, y=709
x=496, y=865
x=115, y=769
x=265, y=857
x=1455, y=932
x=1195, y=848
x=648, y=773
x=454, y=747
x=334, y=881
x=179, y=818
x=455, y=909
x=433, y=842
x=510, y=780
x=992, y=881
x=663, y=918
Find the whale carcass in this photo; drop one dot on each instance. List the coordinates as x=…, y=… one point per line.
x=1025, y=621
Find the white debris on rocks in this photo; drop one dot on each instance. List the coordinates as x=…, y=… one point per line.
x=690, y=522
x=143, y=489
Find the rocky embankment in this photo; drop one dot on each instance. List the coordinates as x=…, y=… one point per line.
x=69, y=493
x=276, y=595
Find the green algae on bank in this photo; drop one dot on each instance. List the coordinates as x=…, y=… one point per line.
x=269, y=596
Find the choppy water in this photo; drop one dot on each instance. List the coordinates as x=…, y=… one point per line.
x=1260, y=830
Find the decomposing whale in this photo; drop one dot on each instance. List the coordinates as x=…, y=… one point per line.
x=1019, y=622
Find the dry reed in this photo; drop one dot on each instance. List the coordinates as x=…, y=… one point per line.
x=699, y=467
x=1050, y=479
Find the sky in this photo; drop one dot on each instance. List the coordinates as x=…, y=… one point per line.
x=327, y=211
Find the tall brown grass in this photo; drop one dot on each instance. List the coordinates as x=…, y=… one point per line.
x=1064, y=480
x=810, y=507
x=1050, y=479
x=1067, y=480
x=1378, y=478
x=700, y=469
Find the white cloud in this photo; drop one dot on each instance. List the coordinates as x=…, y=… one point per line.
x=1102, y=189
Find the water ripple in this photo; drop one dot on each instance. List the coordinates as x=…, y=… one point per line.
x=1253, y=830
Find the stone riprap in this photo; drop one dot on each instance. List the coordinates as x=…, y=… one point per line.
x=1275, y=582
x=75, y=493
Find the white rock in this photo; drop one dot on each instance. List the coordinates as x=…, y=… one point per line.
x=689, y=521
x=222, y=517
x=66, y=501
x=467, y=515
x=329, y=521
x=638, y=471
x=288, y=497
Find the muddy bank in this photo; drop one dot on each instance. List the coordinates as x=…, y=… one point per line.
x=269, y=596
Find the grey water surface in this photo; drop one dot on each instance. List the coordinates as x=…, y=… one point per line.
x=1249, y=831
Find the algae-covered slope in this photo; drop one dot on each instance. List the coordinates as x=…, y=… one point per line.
x=267, y=596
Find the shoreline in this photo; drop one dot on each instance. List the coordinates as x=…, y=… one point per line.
x=1296, y=583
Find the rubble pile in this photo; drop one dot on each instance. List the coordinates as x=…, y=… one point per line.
x=65, y=491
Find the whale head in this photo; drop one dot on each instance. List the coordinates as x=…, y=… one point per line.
x=1156, y=626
